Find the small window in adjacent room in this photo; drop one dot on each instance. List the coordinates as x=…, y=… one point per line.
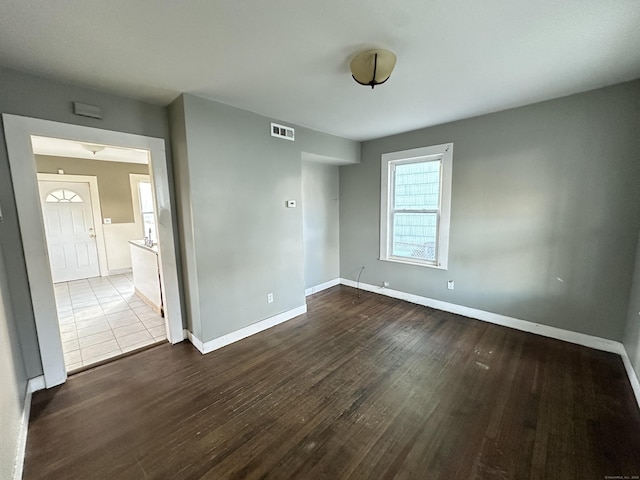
x=416, y=206
x=144, y=214
x=146, y=210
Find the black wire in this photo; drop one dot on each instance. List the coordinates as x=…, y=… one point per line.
x=358, y=282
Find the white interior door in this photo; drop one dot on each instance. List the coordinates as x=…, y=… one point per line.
x=70, y=231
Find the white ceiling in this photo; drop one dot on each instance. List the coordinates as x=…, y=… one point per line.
x=58, y=147
x=289, y=59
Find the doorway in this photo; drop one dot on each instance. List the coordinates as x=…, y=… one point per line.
x=18, y=133
x=101, y=313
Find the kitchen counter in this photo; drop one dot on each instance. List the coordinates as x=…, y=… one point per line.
x=146, y=273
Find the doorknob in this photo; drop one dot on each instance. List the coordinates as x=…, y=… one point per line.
x=92, y=235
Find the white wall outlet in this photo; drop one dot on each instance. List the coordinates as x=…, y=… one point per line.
x=269, y=297
x=291, y=204
x=385, y=284
x=450, y=285
x=106, y=220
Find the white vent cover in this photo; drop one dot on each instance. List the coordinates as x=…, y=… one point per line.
x=281, y=131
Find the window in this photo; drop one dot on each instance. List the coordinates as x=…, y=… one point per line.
x=146, y=209
x=416, y=205
x=63, y=196
x=143, y=205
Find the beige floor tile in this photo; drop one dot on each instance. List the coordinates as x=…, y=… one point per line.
x=136, y=303
x=86, y=303
x=118, y=315
x=123, y=321
x=96, y=338
x=81, y=293
x=134, y=338
x=66, y=319
x=72, y=357
x=130, y=348
x=109, y=346
x=129, y=329
x=89, y=360
x=103, y=327
x=148, y=316
x=87, y=312
x=153, y=322
x=67, y=337
x=74, y=366
x=158, y=332
x=90, y=322
x=110, y=298
x=70, y=345
x=115, y=307
x=67, y=327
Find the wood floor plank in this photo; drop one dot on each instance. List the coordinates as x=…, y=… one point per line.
x=362, y=386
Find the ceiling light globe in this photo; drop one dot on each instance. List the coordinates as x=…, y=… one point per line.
x=372, y=67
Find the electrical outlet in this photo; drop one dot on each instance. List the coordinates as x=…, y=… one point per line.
x=269, y=297
x=385, y=284
x=450, y=285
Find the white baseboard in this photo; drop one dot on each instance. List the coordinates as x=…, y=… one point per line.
x=216, y=343
x=631, y=373
x=195, y=341
x=119, y=271
x=322, y=286
x=36, y=384
x=33, y=385
x=583, y=339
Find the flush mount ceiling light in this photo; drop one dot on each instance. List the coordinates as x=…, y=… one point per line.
x=373, y=67
x=92, y=147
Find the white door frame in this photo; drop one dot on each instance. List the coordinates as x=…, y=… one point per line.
x=18, y=131
x=95, y=208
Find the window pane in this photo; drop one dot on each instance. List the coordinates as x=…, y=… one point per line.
x=146, y=197
x=417, y=186
x=63, y=195
x=414, y=235
x=149, y=223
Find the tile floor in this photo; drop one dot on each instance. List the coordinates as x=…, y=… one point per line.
x=102, y=317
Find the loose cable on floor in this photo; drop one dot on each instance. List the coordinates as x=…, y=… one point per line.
x=358, y=282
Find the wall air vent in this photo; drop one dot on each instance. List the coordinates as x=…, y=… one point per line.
x=281, y=131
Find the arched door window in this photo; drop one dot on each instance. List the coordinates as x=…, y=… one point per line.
x=63, y=195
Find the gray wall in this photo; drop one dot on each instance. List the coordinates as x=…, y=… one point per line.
x=540, y=193
x=321, y=230
x=31, y=96
x=13, y=377
x=632, y=332
x=233, y=181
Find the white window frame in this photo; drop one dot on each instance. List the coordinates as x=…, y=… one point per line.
x=134, y=180
x=442, y=152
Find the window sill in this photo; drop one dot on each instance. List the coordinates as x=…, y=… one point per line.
x=410, y=262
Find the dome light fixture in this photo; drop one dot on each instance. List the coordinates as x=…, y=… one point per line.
x=93, y=148
x=372, y=67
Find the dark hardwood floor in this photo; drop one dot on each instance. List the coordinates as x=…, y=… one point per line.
x=361, y=388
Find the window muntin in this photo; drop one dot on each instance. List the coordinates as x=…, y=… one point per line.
x=415, y=207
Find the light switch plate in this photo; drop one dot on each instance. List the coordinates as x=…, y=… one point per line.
x=291, y=204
